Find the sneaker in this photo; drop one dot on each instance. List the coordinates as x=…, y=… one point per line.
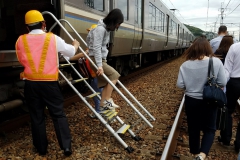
x=109, y=104
x=199, y=157
x=113, y=104
x=104, y=110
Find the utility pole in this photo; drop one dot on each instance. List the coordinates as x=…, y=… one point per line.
x=222, y=13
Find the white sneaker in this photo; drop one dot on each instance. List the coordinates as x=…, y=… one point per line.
x=110, y=104
x=113, y=104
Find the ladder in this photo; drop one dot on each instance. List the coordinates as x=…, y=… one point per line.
x=107, y=116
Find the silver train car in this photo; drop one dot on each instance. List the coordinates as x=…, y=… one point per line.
x=150, y=33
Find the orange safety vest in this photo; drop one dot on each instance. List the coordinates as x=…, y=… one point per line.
x=38, y=54
x=93, y=74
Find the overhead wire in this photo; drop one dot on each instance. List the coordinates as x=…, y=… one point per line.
x=227, y=5
x=234, y=9
x=207, y=16
x=178, y=11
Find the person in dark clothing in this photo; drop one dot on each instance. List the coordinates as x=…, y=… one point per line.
x=232, y=71
x=223, y=48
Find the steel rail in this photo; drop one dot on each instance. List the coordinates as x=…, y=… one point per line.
x=171, y=141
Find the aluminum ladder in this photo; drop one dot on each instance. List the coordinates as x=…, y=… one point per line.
x=109, y=114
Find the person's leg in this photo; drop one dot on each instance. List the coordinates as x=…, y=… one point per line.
x=106, y=100
x=96, y=89
x=193, y=121
x=54, y=101
x=108, y=91
x=36, y=110
x=208, y=128
x=232, y=94
x=237, y=141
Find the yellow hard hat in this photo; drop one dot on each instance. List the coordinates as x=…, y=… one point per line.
x=33, y=16
x=92, y=27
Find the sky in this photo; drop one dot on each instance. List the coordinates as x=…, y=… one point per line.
x=197, y=13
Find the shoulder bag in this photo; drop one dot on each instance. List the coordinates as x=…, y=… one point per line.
x=212, y=93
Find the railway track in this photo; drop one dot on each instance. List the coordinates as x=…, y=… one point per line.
x=155, y=89
x=177, y=143
x=70, y=98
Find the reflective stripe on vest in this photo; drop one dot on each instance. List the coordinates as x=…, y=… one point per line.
x=38, y=54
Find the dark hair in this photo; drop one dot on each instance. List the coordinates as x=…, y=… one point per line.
x=222, y=29
x=198, y=49
x=113, y=18
x=36, y=26
x=225, y=44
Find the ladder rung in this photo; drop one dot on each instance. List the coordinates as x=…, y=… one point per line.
x=78, y=80
x=111, y=116
x=109, y=113
x=92, y=95
x=106, y=111
x=66, y=65
x=123, y=129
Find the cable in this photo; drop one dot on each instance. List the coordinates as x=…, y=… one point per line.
x=227, y=4
x=234, y=9
x=207, y=16
x=178, y=11
x=182, y=17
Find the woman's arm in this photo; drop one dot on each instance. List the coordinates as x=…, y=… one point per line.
x=180, y=82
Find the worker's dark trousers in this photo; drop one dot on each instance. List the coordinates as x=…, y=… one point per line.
x=39, y=95
x=232, y=93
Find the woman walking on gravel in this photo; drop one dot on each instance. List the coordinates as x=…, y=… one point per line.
x=192, y=77
x=97, y=41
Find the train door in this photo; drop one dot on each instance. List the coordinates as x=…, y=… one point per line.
x=167, y=31
x=183, y=37
x=12, y=14
x=178, y=35
x=138, y=27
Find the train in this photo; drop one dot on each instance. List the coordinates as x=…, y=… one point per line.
x=150, y=33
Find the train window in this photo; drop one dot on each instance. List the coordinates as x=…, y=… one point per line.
x=155, y=18
x=95, y=4
x=123, y=6
x=173, y=28
x=138, y=13
x=160, y=20
x=150, y=16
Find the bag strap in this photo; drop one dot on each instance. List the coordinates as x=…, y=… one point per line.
x=211, y=65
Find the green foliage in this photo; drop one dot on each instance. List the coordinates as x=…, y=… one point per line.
x=195, y=31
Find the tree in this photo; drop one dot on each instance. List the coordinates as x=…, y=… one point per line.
x=195, y=31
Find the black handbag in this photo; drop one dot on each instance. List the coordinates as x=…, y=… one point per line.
x=221, y=118
x=212, y=93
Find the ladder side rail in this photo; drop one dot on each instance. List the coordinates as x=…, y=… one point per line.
x=139, y=104
x=58, y=22
x=105, y=77
x=125, y=89
x=97, y=114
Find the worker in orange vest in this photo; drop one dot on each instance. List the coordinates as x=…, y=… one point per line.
x=38, y=51
x=93, y=75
